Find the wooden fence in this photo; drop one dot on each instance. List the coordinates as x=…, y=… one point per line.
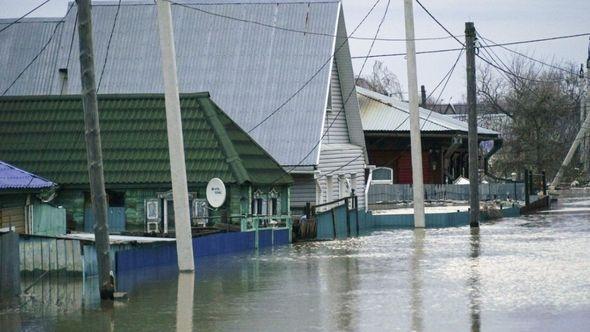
x=39, y=253
x=388, y=193
x=9, y=267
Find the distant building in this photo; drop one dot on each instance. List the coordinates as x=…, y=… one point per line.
x=444, y=140
x=291, y=87
x=45, y=134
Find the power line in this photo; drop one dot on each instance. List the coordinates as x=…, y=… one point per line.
x=524, y=55
x=25, y=15
x=352, y=91
x=20, y=74
x=306, y=83
x=271, y=26
x=106, y=57
x=485, y=60
x=385, y=55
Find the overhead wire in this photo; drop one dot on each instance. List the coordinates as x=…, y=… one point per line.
x=276, y=27
x=36, y=57
x=25, y=15
x=315, y=74
x=350, y=94
x=106, y=57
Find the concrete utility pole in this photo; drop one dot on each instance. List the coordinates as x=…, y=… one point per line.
x=415, y=140
x=585, y=105
x=584, y=130
x=472, y=122
x=184, y=243
x=94, y=150
x=582, y=135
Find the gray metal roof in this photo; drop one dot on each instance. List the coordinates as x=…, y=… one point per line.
x=383, y=113
x=249, y=70
x=19, y=45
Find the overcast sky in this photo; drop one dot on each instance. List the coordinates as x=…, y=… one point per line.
x=498, y=20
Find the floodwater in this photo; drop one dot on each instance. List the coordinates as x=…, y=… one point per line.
x=521, y=274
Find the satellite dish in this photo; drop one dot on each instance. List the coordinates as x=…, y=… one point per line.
x=216, y=192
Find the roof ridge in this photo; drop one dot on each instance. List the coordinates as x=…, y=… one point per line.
x=232, y=157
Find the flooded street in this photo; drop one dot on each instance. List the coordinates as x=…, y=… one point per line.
x=527, y=274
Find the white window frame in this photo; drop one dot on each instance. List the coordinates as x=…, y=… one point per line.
x=390, y=181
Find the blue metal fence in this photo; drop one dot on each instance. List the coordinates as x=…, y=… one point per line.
x=216, y=244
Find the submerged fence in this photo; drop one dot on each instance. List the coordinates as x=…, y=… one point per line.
x=385, y=193
x=9, y=265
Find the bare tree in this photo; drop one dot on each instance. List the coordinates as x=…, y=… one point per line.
x=381, y=80
x=542, y=105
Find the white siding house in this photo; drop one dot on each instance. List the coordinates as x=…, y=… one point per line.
x=293, y=92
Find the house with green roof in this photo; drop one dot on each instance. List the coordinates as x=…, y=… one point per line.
x=45, y=135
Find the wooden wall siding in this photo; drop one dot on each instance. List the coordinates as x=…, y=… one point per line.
x=347, y=83
x=13, y=216
x=303, y=190
x=338, y=132
x=49, y=254
x=346, y=160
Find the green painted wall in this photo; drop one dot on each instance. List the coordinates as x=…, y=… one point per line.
x=73, y=202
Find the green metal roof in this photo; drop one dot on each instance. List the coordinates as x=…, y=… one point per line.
x=45, y=135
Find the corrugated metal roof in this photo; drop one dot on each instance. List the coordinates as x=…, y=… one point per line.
x=12, y=177
x=383, y=113
x=250, y=70
x=44, y=134
x=19, y=45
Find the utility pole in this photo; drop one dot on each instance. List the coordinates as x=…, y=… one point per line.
x=94, y=150
x=415, y=140
x=184, y=243
x=585, y=106
x=472, y=122
x=582, y=136
x=423, y=96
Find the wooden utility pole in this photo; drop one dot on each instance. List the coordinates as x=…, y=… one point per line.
x=94, y=150
x=184, y=243
x=415, y=140
x=472, y=122
x=423, y=96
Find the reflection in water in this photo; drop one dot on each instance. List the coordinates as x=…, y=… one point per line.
x=184, y=301
x=416, y=279
x=346, y=298
x=535, y=278
x=473, y=281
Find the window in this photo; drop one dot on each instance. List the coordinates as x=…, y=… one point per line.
x=343, y=186
x=152, y=209
x=382, y=175
x=258, y=203
x=274, y=206
x=200, y=212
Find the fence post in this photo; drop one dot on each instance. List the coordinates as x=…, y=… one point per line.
x=527, y=199
x=347, y=217
x=531, y=188
x=333, y=223
x=356, y=208
x=544, y=176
